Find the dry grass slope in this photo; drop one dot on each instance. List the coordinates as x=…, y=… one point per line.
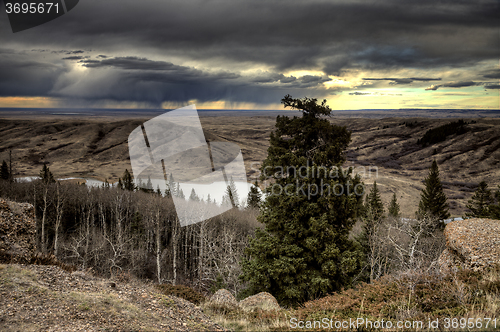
x=98, y=148
x=34, y=298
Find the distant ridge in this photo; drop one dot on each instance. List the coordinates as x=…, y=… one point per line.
x=149, y=113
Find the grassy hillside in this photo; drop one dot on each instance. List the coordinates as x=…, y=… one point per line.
x=98, y=148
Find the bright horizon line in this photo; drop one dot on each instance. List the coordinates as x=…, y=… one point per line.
x=239, y=109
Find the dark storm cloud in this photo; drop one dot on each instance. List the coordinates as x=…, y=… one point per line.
x=288, y=35
x=289, y=79
x=155, y=87
x=460, y=84
x=130, y=63
x=493, y=74
x=131, y=78
x=492, y=86
x=74, y=58
x=306, y=81
x=139, y=80
x=24, y=76
x=359, y=93
x=337, y=37
x=268, y=78
x=76, y=52
x=403, y=80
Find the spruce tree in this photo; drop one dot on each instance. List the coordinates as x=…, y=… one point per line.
x=374, y=207
x=231, y=197
x=433, y=202
x=171, y=188
x=394, y=207
x=193, y=196
x=254, y=196
x=373, y=216
x=480, y=202
x=4, y=171
x=46, y=175
x=304, y=250
x=149, y=184
x=127, y=183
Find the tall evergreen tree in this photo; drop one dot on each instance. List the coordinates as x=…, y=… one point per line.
x=4, y=171
x=46, y=175
x=373, y=216
x=149, y=184
x=171, y=189
x=304, y=251
x=480, y=202
x=433, y=202
x=193, y=196
x=126, y=182
x=254, y=196
x=374, y=207
x=231, y=196
x=394, y=207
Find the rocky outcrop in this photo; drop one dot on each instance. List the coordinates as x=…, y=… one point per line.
x=471, y=244
x=223, y=297
x=263, y=300
x=17, y=232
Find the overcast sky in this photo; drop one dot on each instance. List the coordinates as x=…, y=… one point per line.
x=249, y=54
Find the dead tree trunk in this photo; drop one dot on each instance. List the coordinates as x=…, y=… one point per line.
x=59, y=213
x=175, y=243
x=44, y=218
x=158, y=243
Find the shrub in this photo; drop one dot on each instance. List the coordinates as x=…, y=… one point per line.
x=184, y=292
x=46, y=259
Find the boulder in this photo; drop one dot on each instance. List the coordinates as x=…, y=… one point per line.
x=471, y=244
x=223, y=297
x=263, y=300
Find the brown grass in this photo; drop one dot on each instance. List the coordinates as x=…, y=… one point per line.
x=97, y=148
x=410, y=297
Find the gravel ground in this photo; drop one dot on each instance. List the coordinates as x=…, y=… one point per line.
x=46, y=298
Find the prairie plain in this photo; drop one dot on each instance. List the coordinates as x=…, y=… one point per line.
x=382, y=149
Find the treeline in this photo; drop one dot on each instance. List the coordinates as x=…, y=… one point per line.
x=392, y=244
x=113, y=231
x=439, y=134
x=484, y=203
